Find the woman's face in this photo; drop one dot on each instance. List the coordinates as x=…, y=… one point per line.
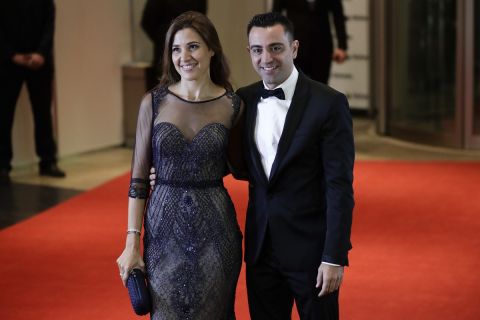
x=190, y=55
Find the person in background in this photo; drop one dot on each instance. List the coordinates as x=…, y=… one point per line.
x=299, y=151
x=189, y=129
x=311, y=19
x=156, y=18
x=26, y=56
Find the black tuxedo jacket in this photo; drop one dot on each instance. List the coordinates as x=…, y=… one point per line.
x=307, y=201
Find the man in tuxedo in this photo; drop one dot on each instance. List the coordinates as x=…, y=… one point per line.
x=26, y=55
x=311, y=19
x=299, y=152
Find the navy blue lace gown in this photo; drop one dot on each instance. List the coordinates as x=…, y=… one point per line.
x=192, y=242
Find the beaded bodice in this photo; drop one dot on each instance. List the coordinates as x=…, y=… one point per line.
x=185, y=141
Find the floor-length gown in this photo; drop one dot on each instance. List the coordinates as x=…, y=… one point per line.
x=192, y=243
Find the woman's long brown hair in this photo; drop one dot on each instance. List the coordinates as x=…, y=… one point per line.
x=219, y=69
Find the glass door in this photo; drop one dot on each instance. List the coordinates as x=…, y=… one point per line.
x=422, y=89
x=472, y=87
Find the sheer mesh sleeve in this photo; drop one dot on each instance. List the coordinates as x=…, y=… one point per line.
x=236, y=162
x=142, y=154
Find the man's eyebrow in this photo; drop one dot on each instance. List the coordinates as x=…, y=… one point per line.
x=276, y=44
x=269, y=45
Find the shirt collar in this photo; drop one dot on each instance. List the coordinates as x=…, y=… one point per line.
x=288, y=85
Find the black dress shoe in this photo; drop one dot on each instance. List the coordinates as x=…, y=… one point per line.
x=4, y=177
x=51, y=170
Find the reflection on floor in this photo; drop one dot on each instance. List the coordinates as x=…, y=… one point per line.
x=30, y=193
x=20, y=201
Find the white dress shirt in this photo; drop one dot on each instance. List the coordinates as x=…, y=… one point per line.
x=271, y=113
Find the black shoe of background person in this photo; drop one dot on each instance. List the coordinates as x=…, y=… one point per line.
x=51, y=170
x=4, y=177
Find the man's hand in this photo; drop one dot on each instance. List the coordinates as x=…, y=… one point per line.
x=21, y=59
x=339, y=55
x=329, y=278
x=32, y=61
x=36, y=61
x=152, y=177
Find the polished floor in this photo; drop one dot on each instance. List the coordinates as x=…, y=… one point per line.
x=30, y=194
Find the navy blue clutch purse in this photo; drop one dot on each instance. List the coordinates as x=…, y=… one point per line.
x=138, y=292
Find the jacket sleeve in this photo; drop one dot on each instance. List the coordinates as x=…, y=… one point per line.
x=45, y=47
x=339, y=20
x=6, y=51
x=338, y=154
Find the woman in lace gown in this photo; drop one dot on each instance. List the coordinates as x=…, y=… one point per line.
x=188, y=130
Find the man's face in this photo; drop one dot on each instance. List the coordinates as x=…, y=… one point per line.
x=272, y=53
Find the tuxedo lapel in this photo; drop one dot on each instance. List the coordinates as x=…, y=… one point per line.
x=292, y=120
x=251, y=120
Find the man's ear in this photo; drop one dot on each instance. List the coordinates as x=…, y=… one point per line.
x=295, y=45
x=248, y=49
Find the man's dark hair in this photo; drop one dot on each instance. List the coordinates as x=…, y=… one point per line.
x=270, y=19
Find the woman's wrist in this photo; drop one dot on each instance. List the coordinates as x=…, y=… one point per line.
x=133, y=241
x=134, y=231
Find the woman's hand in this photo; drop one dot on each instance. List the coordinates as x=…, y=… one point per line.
x=152, y=177
x=130, y=259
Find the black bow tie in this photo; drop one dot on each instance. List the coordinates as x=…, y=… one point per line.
x=273, y=93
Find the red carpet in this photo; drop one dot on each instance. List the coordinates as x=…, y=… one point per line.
x=415, y=236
